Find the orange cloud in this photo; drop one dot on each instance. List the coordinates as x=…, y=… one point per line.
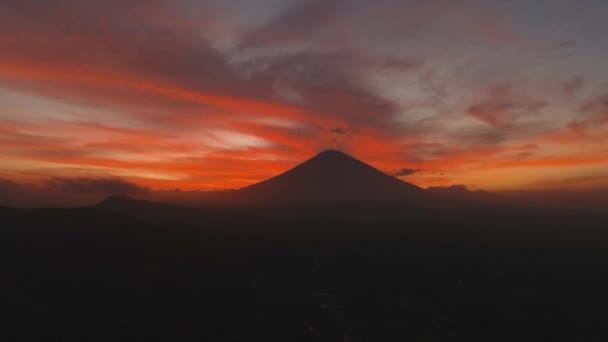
x=159, y=105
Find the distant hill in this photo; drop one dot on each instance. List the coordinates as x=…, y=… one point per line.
x=589, y=200
x=154, y=211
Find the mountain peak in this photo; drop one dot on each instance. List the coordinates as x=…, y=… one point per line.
x=332, y=152
x=335, y=155
x=329, y=156
x=331, y=176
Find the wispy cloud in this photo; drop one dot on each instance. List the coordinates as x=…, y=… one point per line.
x=216, y=94
x=405, y=172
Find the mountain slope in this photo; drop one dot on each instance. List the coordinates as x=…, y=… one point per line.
x=331, y=177
x=331, y=184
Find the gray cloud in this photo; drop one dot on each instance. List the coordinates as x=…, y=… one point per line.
x=502, y=107
x=573, y=85
x=168, y=51
x=96, y=186
x=137, y=39
x=594, y=114
x=462, y=191
x=318, y=56
x=485, y=136
x=297, y=22
x=327, y=83
x=456, y=188
x=402, y=64
x=422, y=151
x=565, y=44
x=405, y=172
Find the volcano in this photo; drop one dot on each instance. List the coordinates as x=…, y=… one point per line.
x=329, y=178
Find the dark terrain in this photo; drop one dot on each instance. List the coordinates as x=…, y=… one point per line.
x=333, y=250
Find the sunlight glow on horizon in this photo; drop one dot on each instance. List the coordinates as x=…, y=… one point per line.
x=478, y=94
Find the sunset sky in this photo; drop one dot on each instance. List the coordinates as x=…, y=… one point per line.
x=220, y=94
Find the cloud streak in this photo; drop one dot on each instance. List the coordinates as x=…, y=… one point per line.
x=96, y=186
x=214, y=95
x=405, y=172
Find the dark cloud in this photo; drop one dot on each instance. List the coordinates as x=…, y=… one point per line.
x=167, y=51
x=327, y=65
x=429, y=82
x=463, y=192
x=401, y=64
x=421, y=152
x=66, y=191
x=327, y=83
x=18, y=195
x=135, y=39
x=405, y=172
x=97, y=186
x=573, y=85
x=493, y=113
x=8, y=187
x=296, y=23
x=485, y=136
x=565, y=44
x=456, y=188
x=594, y=114
x=597, y=105
x=503, y=108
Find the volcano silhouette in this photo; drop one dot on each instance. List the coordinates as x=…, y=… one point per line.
x=330, y=177
x=330, y=180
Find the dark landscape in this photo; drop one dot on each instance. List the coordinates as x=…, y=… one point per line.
x=304, y=170
x=377, y=260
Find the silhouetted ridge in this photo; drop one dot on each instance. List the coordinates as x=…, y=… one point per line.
x=119, y=200
x=154, y=211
